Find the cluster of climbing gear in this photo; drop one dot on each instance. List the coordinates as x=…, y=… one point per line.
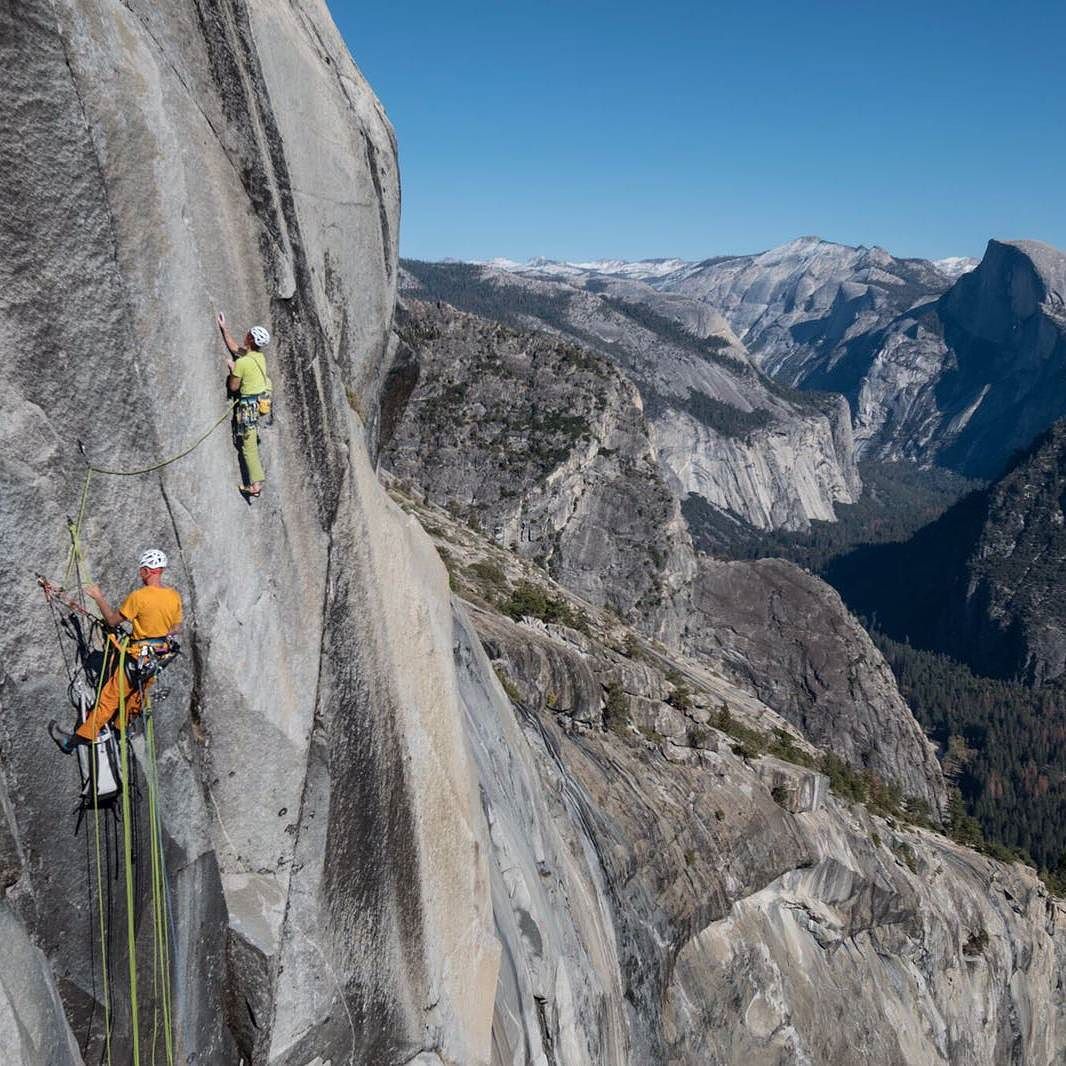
x=251, y=412
x=87, y=669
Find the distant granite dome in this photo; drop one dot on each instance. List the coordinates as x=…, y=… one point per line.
x=975, y=376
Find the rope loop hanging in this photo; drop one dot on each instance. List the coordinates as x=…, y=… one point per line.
x=93, y=469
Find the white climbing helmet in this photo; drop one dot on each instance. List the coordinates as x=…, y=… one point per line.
x=152, y=559
x=261, y=335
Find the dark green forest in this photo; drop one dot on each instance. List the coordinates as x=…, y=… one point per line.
x=985, y=582
x=723, y=418
x=897, y=500
x=1003, y=745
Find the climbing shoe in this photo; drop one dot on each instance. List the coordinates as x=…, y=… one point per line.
x=66, y=742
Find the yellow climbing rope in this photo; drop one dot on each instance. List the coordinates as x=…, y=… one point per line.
x=76, y=562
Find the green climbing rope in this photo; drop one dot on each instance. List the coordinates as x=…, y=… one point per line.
x=127, y=852
x=76, y=563
x=161, y=939
x=93, y=757
x=75, y=557
x=165, y=462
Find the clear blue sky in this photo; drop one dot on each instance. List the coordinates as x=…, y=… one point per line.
x=582, y=128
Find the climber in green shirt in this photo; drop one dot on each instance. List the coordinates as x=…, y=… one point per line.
x=249, y=382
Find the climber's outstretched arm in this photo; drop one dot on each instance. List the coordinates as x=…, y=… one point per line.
x=232, y=346
x=111, y=617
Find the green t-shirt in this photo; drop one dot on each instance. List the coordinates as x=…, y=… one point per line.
x=251, y=368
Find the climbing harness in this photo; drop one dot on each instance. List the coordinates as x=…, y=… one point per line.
x=245, y=417
x=152, y=656
x=252, y=412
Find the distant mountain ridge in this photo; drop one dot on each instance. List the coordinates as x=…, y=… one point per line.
x=671, y=270
x=795, y=305
x=641, y=269
x=790, y=305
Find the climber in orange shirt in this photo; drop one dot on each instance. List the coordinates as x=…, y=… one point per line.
x=154, y=612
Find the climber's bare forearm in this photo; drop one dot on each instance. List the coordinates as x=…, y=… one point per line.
x=232, y=346
x=112, y=617
x=229, y=342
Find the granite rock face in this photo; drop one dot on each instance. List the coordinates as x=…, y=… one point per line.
x=752, y=918
x=787, y=636
x=768, y=456
x=1017, y=568
x=666, y=894
x=323, y=832
x=544, y=444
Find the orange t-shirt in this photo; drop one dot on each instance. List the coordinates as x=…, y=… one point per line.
x=153, y=610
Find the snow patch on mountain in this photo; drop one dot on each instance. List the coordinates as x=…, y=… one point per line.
x=557, y=268
x=954, y=266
